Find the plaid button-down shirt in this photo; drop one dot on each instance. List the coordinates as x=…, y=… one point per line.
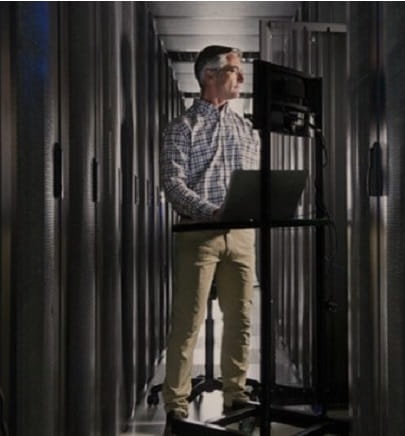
x=200, y=150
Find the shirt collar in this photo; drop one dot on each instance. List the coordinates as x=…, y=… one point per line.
x=206, y=108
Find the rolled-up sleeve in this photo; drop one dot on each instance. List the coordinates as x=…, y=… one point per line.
x=174, y=167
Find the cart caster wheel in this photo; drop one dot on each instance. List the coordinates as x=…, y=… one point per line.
x=318, y=409
x=153, y=400
x=247, y=425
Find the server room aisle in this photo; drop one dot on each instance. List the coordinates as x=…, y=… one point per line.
x=150, y=421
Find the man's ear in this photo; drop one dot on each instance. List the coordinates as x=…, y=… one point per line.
x=209, y=75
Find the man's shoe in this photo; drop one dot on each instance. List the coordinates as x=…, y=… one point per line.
x=236, y=405
x=171, y=416
x=246, y=425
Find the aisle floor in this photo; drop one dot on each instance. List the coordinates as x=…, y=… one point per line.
x=150, y=421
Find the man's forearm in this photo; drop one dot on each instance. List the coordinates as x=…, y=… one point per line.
x=189, y=204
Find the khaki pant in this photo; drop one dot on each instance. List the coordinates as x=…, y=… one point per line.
x=229, y=254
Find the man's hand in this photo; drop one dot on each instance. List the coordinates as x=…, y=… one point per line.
x=216, y=214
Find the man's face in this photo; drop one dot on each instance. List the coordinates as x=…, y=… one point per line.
x=229, y=78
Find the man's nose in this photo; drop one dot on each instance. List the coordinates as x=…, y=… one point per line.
x=240, y=77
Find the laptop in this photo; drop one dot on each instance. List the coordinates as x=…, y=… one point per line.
x=242, y=200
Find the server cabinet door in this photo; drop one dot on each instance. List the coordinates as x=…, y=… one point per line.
x=129, y=205
x=167, y=114
x=392, y=218
x=7, y=180
x=164, y=230
x=79, y=255
x=143, y=369
x=154, y=230
x=364, y=272
x=175, y=99
x=109, y=220
x=170, y=115
x=36, y=228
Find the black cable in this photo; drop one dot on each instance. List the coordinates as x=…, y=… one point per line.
x=332, y=231
x=325, y=151
x=318, y=131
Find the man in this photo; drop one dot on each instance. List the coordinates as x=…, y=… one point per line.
x=200, y=151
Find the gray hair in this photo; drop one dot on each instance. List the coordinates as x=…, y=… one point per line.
x=212, y=57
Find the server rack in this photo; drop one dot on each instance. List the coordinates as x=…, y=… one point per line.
x=143, y=347
x=130, y=200
x=364, y=217
x=390, y=103
x=77, y=179
x=165, y=73
x=7, y=177
x=35, y=364
x=163, y=267
x=153, y=193
x=157, y=98
x=79, y=151
x=376, y=217
x=108, y=223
